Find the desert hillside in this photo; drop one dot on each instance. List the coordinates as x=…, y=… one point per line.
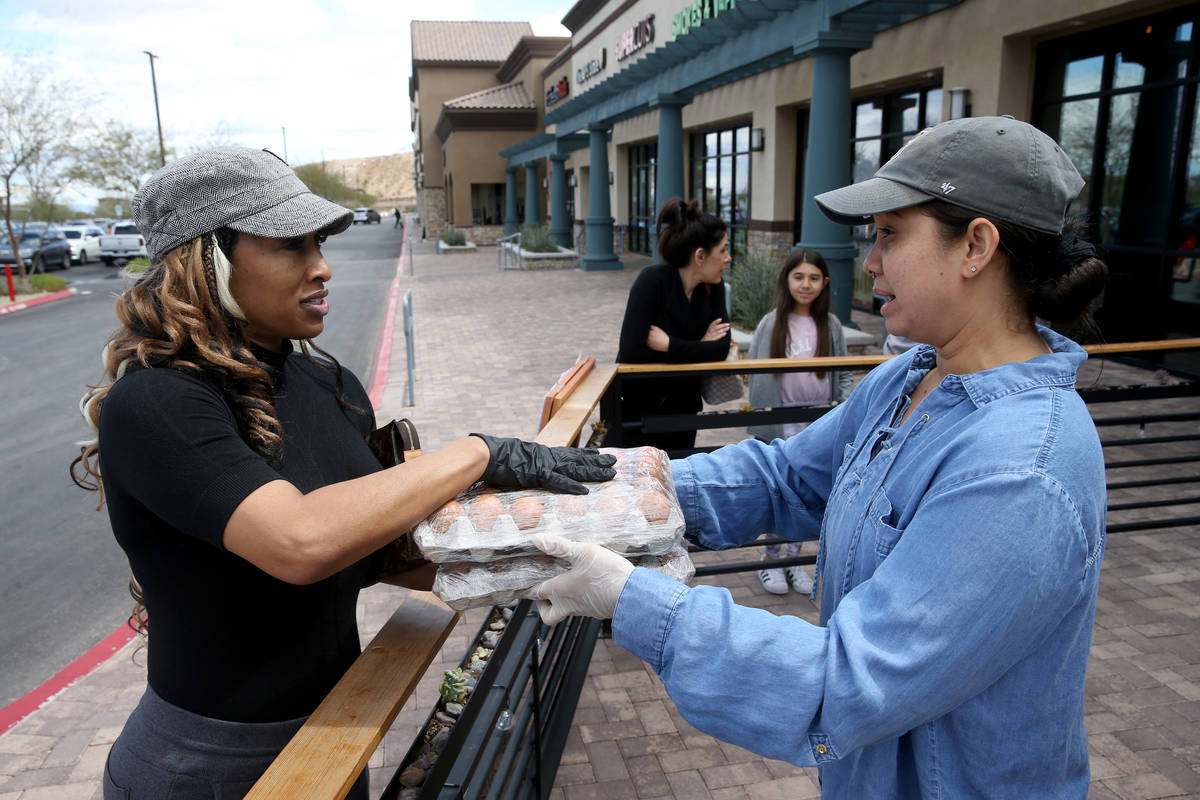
x=388, y=178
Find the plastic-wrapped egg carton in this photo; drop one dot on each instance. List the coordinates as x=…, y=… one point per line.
x=634, y=514
x=463, y=585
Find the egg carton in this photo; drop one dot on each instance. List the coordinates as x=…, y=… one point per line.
x=462, y=585
x=634, y=514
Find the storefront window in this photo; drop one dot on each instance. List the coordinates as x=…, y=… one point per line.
x=1122, y=103
x=642, y=208
x=487, y=203
x=721, y=179
x=882, y=125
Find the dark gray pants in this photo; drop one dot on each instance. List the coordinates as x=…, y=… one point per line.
x=166, y=753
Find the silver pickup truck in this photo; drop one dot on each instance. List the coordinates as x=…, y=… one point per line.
x=125, y=242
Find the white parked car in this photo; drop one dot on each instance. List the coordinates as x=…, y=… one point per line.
x=125, y=242
x=85, y=242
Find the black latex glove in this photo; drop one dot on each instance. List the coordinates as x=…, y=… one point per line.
x=518, y=464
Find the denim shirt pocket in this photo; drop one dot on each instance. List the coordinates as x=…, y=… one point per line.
x=885, y=534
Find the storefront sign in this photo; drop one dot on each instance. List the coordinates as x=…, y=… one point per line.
x=592, y=68
x=694, y=16
x=558, y=91
x=635, y=38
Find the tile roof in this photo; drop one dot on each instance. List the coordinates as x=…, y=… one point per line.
x=483, y=42
x=506, y=95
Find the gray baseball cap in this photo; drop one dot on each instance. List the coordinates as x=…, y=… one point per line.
x=998, y=166
x=248, y=190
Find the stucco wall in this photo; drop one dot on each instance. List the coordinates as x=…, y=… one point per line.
x=437, y=85
x=473, y=157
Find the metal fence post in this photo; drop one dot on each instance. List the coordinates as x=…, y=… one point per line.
x=409, y=345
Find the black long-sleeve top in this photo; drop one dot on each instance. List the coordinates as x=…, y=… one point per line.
x=657, y=298
x=227, y=640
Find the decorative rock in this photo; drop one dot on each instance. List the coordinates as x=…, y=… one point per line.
x=490, y=638
x=506, y=612
x=439, y=744
x=423, y=762
x=454, y=709
x=496, y=626
x=445, y=719
x=477, y=666
x=412, y=776
x=409, y=793
x=434, y=728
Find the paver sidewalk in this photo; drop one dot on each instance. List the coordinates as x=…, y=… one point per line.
x=488, y=344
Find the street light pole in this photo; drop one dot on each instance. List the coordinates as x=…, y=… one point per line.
x=162, y=151
x=282, y=128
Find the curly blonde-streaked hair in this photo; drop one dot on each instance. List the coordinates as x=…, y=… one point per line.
x=173, y=317
x=180, y=315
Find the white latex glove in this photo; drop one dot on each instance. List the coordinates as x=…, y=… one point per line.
x=590, y=588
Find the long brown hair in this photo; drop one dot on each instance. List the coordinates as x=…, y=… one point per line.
x=784, y=303
x=173, y=318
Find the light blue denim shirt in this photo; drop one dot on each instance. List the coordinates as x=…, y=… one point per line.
x=958, y=566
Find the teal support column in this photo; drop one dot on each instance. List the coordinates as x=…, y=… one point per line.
x=827, y=166
x=560, y=230
x=511, y=220
x=533, y=214
x=668, y=175
x=599, y=221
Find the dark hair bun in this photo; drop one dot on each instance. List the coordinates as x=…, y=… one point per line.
x=683, y=228
x=1076, y=278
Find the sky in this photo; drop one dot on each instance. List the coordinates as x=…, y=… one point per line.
x=319, y=78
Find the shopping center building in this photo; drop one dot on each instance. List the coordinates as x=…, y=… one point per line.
x=754, y=106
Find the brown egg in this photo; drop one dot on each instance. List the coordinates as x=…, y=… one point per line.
x=526, y=512
x=611, y=505
x=444, y=517
x=571, y=508
x=655, y=507
x=484, y=511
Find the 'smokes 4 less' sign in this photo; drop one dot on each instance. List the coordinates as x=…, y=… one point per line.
x=693, y=16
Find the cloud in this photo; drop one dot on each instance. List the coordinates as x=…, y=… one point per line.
x=332, y=73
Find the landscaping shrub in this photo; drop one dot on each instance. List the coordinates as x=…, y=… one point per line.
x=47, y=283
x=536, y=239
x=752, y=281
x=454, y=237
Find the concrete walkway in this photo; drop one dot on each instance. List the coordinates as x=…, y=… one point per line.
x=488, y=345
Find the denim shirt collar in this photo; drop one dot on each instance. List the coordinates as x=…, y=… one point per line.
x=1057, y=368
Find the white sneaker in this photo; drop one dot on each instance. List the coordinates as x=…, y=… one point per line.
x=798, y=577
x=773, y=580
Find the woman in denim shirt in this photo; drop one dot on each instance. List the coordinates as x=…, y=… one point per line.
x=958, y=496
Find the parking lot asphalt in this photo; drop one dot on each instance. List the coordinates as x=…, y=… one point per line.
x=487, y=345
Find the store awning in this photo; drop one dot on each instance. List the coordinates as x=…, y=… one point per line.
x=737, y=39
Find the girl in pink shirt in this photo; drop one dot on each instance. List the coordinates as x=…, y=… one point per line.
x=800, y=326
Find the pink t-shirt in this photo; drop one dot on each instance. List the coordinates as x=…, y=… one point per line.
x=802, y=388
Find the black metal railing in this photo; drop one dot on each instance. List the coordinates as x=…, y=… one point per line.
x=509, y=738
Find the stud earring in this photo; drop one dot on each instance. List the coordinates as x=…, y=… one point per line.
x=973, y=269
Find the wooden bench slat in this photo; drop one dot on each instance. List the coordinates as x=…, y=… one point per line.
x=325, y=757
x=564, y=427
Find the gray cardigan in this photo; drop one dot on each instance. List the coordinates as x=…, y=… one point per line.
x=764, y=386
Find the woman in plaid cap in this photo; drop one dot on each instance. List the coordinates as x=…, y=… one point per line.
x=237, y=478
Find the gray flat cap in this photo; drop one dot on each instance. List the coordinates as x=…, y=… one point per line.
x=248, y=190
x=998, y=166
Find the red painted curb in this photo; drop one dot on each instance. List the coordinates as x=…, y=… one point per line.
x=383, y=351
x=37, y=301
x=18, y=710
x=21, y=708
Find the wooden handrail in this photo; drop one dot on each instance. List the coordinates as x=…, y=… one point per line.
x=851, y=362
x=326, y=755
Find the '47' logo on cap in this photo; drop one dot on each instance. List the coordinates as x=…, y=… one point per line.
x=947, y=188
